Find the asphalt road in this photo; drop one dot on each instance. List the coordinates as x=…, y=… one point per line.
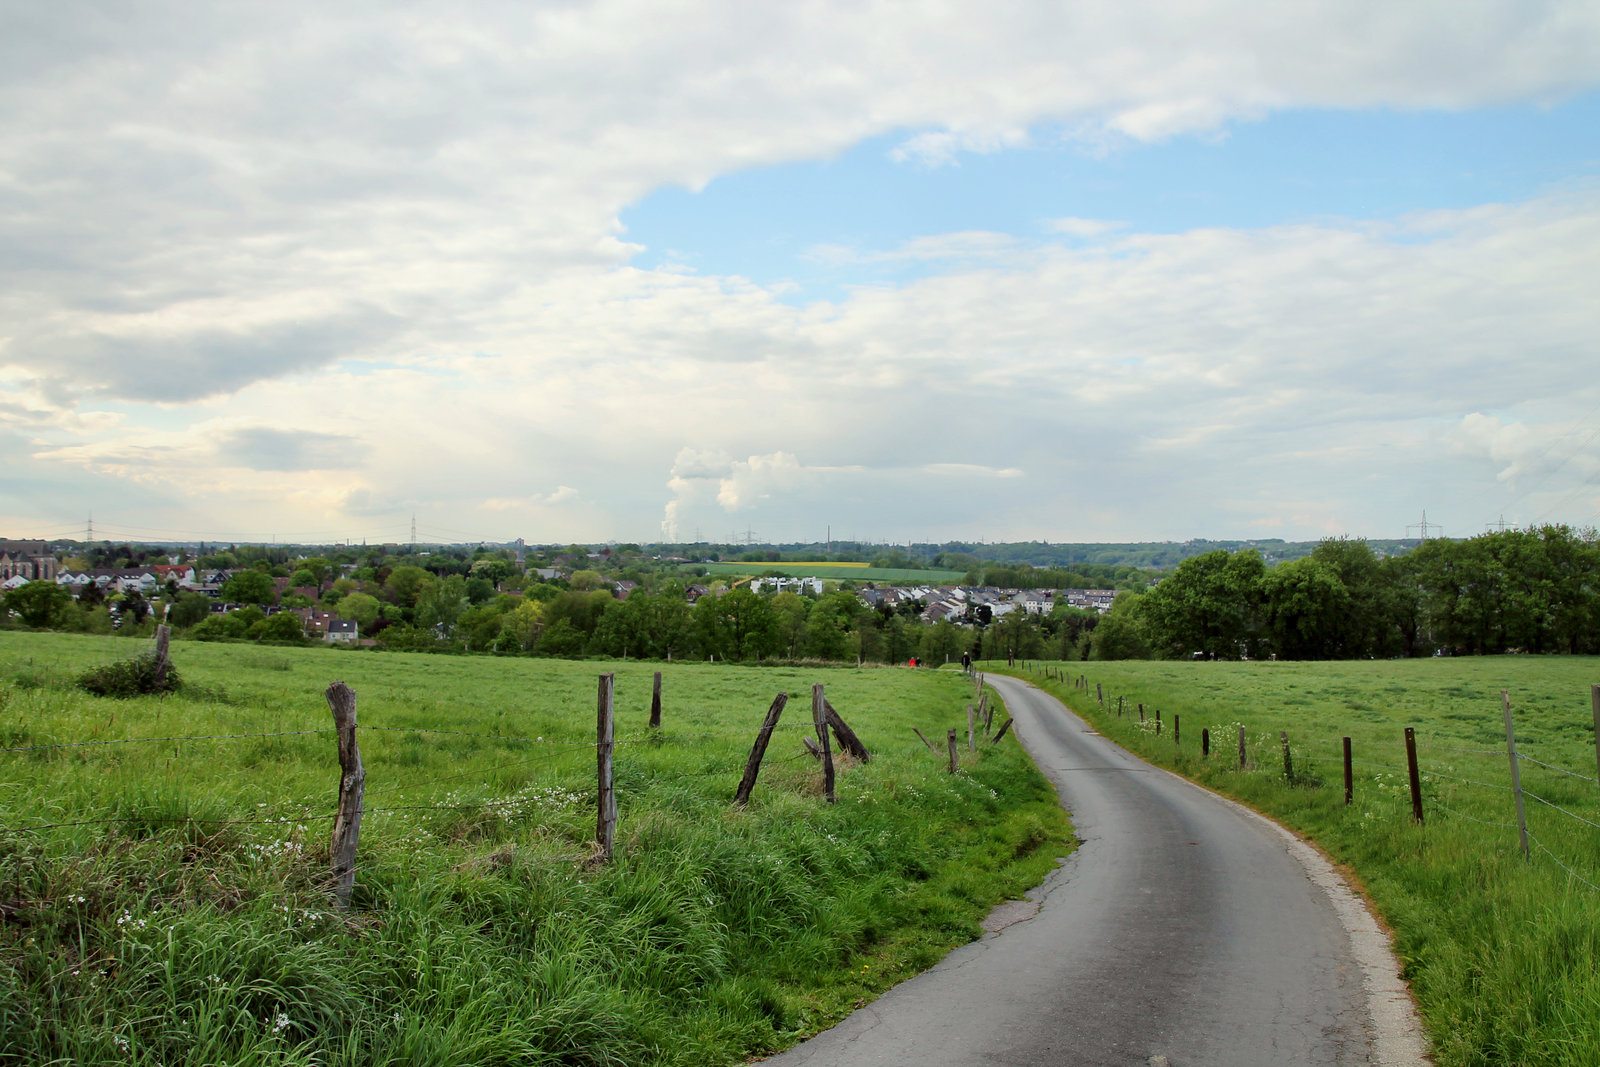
x=1184, y=927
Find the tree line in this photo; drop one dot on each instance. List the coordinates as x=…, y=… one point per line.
x=1535, y=590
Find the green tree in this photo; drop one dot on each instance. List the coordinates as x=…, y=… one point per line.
x=828, y=628
x=283, y=627
x=39, y=604
x=1121, y=632
x=406, y=585
x=249, y=587
x=1211, y=604
x=1309, y=611
x=189, y=609
x=364, y=608
x=942, y=643
x=737, y=625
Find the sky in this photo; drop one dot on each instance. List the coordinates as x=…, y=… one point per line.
x=702, y=270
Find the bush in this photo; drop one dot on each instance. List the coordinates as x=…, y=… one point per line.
x=130, y=678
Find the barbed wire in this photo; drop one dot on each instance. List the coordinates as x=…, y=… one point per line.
x=179, y=820
x=1466, y=751
x=1468, y=781
x=1563, y=866
x=1521, y=755
x=1437, y=803
x=191, y=737
x=1558, y=807
x=651, y=739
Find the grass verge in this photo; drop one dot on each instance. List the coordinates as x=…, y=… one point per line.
x=163, y=902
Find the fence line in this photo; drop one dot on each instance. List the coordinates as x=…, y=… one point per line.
x=1518, y=757
x=1563, y=866
x=1529, y=793
x=193, y=737
x=1521, y=755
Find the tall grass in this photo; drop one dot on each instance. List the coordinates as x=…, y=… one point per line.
x=165, y=902
x=1500, y=951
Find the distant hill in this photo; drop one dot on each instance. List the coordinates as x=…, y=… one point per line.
x=1163, y=555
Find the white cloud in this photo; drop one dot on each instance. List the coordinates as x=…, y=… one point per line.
x=392, y=242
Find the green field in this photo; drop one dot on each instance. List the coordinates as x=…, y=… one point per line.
x=1499, y=951
x=834, y=572
x=164, y=901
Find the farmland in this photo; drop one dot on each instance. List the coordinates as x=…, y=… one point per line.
x=164, y=900
x=1499, y=950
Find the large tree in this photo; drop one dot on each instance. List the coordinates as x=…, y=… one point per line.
x=249, y=587
x=40, y=604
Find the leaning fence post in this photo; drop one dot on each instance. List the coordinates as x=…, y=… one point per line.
x=848, y=741
x=1241, y=749
x=655, y=703
x=605, y=738
x=1594, y=697
x=924, y=741
x=1288, y=763
x=1516, y=772
x=752, y=766
x=1413, y=775
x=819, y=718
x=352, y=786
x=1003, y=728
x=952, y=739
x=1349, y=773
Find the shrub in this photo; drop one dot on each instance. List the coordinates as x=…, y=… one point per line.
x=130, y=677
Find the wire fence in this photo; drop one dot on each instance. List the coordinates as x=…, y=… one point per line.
x=536, y=781
x=1431, y=779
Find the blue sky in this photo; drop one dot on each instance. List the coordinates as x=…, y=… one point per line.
x=1298, y=166
x=1025, y=270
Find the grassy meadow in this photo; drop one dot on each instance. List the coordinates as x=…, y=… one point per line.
x=163, y=902
x=1500, y=951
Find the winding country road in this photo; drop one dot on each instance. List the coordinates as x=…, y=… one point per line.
x=1184, y=930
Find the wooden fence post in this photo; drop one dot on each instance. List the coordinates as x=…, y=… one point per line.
x=848, y=741
x=752, y=766
x=1349, y=773
x=1158, y=722
x=952, y=740
x=1119, y=707
x=605, y=830
x=819, y=719
x=1004, y=727
x=1205, y=742
x=1413, y=775
x=164, y=635
x=1241, y=749
x=655, y=703
x=1288, y=763
x=972, y=736
x=352, y=786
x=1594, y=697
x=1516, y=772
x=1099, y=694
x=1177, y=726
x=1141, y=711
x=925, y=740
